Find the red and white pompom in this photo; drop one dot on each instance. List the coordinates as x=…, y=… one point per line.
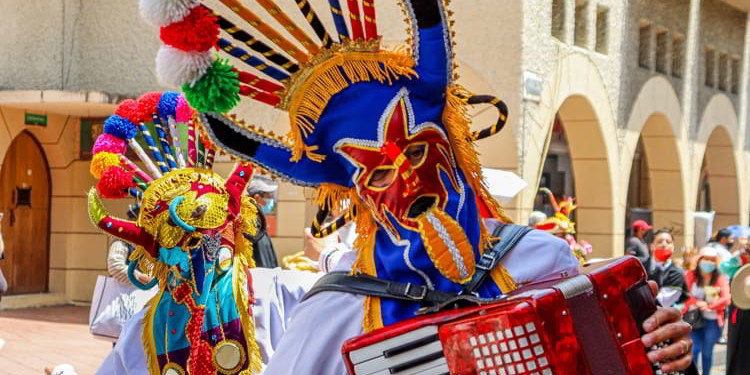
x=175, y=68
x=165, y=12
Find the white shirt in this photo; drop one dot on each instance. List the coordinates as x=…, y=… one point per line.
x=321, y=324
x=277, y=293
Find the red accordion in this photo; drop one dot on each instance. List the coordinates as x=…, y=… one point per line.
x=586, y=324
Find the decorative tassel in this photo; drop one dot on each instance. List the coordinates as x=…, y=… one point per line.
x=115, y=183
x=307, y=102
x=164, y=12
x=119, y=127
x=175, y=68
x=102, y=162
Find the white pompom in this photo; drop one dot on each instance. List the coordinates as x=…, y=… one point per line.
x=175, y=67
x=165, y=12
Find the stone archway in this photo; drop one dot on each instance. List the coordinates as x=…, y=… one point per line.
x=576, y=97
x=719, y=191
x=654, y=129
x=592, y=174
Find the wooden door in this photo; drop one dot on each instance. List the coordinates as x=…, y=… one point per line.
x=25, y=201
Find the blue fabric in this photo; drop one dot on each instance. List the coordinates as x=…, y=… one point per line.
x=704, y=339
x=355, y=113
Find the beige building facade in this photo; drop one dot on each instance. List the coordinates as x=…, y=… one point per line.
x=640, y=104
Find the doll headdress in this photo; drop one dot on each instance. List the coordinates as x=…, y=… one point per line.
x=177, y=157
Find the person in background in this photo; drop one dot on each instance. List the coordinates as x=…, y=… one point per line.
x=536, y=217
x=722, y=242
x=664, y=271
x=261, y=189
x=709, y=292
x=637, y=246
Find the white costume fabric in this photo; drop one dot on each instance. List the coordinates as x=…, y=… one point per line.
x=277, y=292
x=321, y=324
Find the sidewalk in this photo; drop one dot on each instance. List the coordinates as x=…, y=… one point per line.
x=46, y=337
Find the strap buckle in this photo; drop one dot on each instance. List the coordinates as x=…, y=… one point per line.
x=487, y=260
x=421, y=296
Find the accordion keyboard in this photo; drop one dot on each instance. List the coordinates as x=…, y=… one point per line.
x=418, y=352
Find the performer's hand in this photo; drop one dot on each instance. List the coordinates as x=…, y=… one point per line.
x=314, y=246
x=666, y=324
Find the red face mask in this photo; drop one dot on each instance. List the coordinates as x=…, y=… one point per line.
x=661, y=255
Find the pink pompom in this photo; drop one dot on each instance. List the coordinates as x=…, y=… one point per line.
x=109, y=143
x=147, y=104
x=184, y=110
x=115, y=183
x=129, y=109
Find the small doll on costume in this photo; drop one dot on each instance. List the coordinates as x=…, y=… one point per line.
x=191, y=240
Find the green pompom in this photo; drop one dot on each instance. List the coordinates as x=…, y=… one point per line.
x=216, y=91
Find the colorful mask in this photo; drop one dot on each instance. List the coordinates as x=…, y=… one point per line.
x=383, y=135
x=189, y=237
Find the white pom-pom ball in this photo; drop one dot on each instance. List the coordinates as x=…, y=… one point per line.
x=165, y=12
x=175, y=67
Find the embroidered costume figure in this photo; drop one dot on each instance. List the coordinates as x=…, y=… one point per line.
x=382, y=135
x=188, y=237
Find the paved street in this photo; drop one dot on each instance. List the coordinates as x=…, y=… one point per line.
x=32, y=339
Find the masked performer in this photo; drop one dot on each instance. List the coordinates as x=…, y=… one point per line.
x=385, y=131
x=214, y=313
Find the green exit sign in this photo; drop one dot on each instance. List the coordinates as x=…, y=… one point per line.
x=35, y=119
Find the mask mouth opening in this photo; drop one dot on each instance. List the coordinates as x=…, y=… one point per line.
x=420, y=206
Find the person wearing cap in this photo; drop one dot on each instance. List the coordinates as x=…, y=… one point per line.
x=637, y=246
x=261, y=189
x=709, y=292
x=722, y=243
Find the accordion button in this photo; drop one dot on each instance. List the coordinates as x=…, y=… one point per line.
x=473, y=341
x=534, y=338
x=538, y=350
x=527, y=354
x=477, y=354
x=543, y=362
x=518, y=330
x=531, y=365
x=494, y=349
x=523, y=342
x=530, y=327
x=480, y=364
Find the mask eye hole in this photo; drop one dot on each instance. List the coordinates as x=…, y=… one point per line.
x=416, y=154
x=381, y=178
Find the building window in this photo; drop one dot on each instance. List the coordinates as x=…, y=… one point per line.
x=581, y=23
x=678, y=55
x=644, y=45
x=710, y=65
x=661, y=51
x=558, y=19
x=723, y=71
x=602, y=29
x=736, y=74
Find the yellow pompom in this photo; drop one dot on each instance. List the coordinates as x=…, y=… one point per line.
x=102, y=161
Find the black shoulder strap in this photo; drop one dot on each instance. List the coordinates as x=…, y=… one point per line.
x=376, y=287
x=509, y=235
